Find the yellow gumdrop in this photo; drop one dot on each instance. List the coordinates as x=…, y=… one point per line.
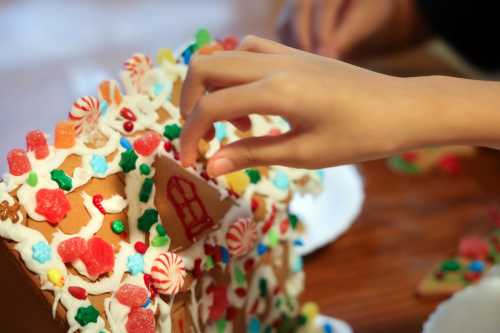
x=55, y=277
x=238, y=181
x=311, y=311
x=164, y=55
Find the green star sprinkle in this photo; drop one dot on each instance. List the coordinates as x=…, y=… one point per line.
x=147, y=219
x=63, y=180
x=86, y=315
x=128, y=160
x=254, y=175
x=172, y=132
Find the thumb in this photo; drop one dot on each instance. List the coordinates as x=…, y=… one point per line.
x=256, y=151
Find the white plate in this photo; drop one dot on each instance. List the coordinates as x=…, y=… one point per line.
x=330, y=214
x=338, y=326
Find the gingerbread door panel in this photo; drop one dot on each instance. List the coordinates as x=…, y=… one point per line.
x=188, y=206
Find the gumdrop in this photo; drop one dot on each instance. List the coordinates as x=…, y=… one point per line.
x=18, y=161
x=37, y=143
x=202, y=38
x=220, y=302
x=147, y=143
x=131, y=295
x=474, y=248
x=65, y=135
x=78, y=292
x=52, y=204
x=72, y=249
x=99, y=257
x=230, y=43
x=141, y=320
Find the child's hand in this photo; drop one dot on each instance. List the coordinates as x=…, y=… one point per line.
x=338, y=113
x=336, y=28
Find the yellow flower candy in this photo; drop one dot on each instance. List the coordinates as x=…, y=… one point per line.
x=311, y=311
x=238, y=181
x=55, y=277
x=165, y=55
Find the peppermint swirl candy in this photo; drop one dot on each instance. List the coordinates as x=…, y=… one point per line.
x=137, y=66
x=168, y=273
x=241, y=237
x=85, y=113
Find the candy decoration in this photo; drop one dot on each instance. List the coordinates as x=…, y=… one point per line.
x=294, y=220
x=172, y=131
x=254, y=325
x=165, y=56
x=135, y=263
x=109, y=91
x=168, y=146
x=125, y=143
x=210, y=49
x=281, y=181
x=148, y=218
x=85, y=113
x=131, y=295
x=52, y=204
x=220, y=302
x=450, y=266
x=18, y=162
x=97, y=201
x=128, y=126
x=238, y=181
x=32, y=179
x=99, y=257
x=477, y=266
x=65, y=135
x=140, y=247
x=159, y=241
x=230, y=43
x=128, y=114
x=160, y=229
x=141, y=320
x=147, y=143
x=86, y=315
x=145, y=169
x=241, y=237
x=450, y=164
x=9, y=212
x=128, y=160
x=99, y=164
x=72, y=249
x=146, y=190
x=273, y=238
x=474, y=248
x=254, y=175
x=137, y=66
x=202, y=38
x=78, y=292
x=117, y=227
x=168, y=273
x=37, y=143
x=64, y=181
x=41, y=252
x=55, y=277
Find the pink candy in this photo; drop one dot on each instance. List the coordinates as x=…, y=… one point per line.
x=131, y=295
x=99, y=257
x=52, y=204
x=147, y=143
x=37, y=143
x=18, y=161
x=141, y=320
x=72, y=249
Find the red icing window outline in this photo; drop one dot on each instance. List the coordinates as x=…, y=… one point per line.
x=188, y=206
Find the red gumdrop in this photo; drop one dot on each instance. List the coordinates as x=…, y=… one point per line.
x=147, y=143
x=450, y=164
x=18, y=162
x=140, y=247
x=37, y=143
x=78, y=292
x=141, y=320
x=52, y=204
x=99, y=257
x=131, y=295
x=410, y=156
x=230, y=43
x=72, y=249
x=473, y=248
x=249, y=264
x=220, y=302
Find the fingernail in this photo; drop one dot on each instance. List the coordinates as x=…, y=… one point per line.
x=219, y=167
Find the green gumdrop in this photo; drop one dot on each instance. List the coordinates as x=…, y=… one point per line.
x=128, y=160
x=203, y=37
x=293, y=219
x=209, y=263
x=146, y=189
x=32, y=179
x=145, y=169
x=160, y=241
x=221, y=325
x=63, y=181
x=147, y=219
x=172, y=132
x=160, y=229
x=399, y=164
x=273, y=238
x=450, y=266
x=86, y=315
x=239, y=276
x=263, y=287
x=254, y=175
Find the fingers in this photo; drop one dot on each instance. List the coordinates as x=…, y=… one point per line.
x=355, y=27
x=301, y=23
x=255, y=151
x=220, y=70
x=260, y=45
x=327, y=12
x=226, y=104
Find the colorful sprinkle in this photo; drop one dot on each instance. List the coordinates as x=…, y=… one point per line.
x=262, y=249
x=147, y=219
x=450, y=266
x=145, y=169
x=135, y=263
x=125, y=143
x=159, y=241
x=55, y=277
x=281, y=181
x=32, y=179
x=477, y=266
x=146, y=190
x=239, y=276
x=203, y=38
x=63, y=181
x=86, y=315
x=99, y=164
x=298, y=264
x=117, y=227
x=294, y=220
x=165, y=56
x=42, y=252
x=254, y=175
x=140, y=247
x=209, y=263
x=78, y=292
x=254, y=325
x=128, y=160
x=220, y=131
x=172, y=132
x=225, y=256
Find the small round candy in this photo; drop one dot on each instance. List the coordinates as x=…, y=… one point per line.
x=145, y=169
x=118, y=227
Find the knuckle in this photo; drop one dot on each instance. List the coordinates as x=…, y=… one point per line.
x=249, y=41
x=196, y=64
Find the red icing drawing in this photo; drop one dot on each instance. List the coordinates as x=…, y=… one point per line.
x=188, y=206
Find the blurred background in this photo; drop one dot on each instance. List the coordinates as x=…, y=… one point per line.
x=54, y=51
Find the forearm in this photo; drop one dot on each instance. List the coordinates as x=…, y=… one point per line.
x=453, y=111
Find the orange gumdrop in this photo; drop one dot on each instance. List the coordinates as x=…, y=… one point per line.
x=65, y=135
x=209, y=49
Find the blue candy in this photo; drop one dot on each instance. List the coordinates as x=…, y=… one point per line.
x=476, y=266
x=42, y=252
x=261, y=249
x=281, y=180
x=298, y=242
x=224, y=255
x=298, y=264
x=103, y=108
x=99, y=164
x=328, y=328
x=157, y=89
x=148, y=302
x=220, y=131
x=125, y=143
x=135, y=264
x=254, y=325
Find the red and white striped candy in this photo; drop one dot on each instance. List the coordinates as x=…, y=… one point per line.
x=241, y=237
x=168, y=273
x=137, y=66
x=85, y=113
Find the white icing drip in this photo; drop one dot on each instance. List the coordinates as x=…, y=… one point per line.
x=165, y=318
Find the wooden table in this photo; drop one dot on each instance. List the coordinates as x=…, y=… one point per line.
x=409, y=223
